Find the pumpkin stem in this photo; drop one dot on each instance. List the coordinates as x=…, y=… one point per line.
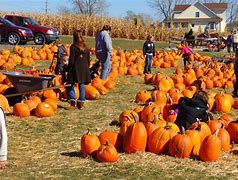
x=169, y=99
x=134, y=117
x=88, y=132
x=182, y=130
x=167, y=126
x=216, y=132
x=107, y=142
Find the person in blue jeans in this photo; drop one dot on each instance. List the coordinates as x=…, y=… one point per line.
x=103, y=47
x=78, y=69
x=149, y=53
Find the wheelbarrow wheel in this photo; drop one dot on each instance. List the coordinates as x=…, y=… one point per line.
x=13, y=99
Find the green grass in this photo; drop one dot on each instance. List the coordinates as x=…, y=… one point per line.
x=48, y=148
x=123, y=44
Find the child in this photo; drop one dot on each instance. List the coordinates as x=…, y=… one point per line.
x=192, y=109
x=60, y=56
x=186, y=51
x=149, y=53
x=229, y=43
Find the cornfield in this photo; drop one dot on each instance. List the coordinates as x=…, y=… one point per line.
x=121, y=28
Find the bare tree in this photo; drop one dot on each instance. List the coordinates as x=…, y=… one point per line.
x=165, y=7
x=90, y=7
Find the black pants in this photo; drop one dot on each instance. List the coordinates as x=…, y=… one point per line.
x=236, y=82
x=186, y=60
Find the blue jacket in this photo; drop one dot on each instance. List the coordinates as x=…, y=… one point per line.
x=103, y=42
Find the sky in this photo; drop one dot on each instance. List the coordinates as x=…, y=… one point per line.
x=117, y=8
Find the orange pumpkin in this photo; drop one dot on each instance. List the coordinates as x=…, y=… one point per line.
x=21, y=110
x=113, y=138
x=43, y=109
x=210, y=149
x=181, y=145
x=158, y=141
x=107, y=153
x=89, y=143
x=135, y=138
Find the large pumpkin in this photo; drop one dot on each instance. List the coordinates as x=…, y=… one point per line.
x=181, y=145
x=89, y=143
x=232, y=129
x=224, y=136
x=211, y=148
x=158, y=141
x=135, y=138
x=91, y=92
x=113, y=138
x=4, y=103
x=44, y=110
x=196, y=139
x=52, y=102
x=21, y=109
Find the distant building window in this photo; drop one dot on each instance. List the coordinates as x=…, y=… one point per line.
x=212, y=26
x=197, y=14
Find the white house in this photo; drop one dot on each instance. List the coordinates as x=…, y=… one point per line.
x=201, y=16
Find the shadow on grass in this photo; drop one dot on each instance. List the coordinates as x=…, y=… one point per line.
x=235, y=152
x=73, y=154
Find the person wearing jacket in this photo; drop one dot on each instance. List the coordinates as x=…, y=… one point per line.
x=3, y=139
x=78, y=69
x=60, y=56
x=103, y=47
x=235, y=41
x=192, y=109
x=149, y=53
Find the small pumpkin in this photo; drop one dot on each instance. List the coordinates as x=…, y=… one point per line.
x=89, y=143
x=107, y=153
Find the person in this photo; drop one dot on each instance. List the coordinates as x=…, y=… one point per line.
x=103, y=47
x=149, y=53
x=61, y=57
x=3, y=139
x=190, y=110
x=94, y=69
x=234, y=93
x=229, y=43
x=78, y=69
x=206, y=31
x=186, y=51
x=235, y=41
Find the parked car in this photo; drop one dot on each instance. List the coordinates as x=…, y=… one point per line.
x=13, y=34
x=42, y=34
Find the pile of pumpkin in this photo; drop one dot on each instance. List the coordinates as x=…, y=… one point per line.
x=46, y=52
x=156, y=135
